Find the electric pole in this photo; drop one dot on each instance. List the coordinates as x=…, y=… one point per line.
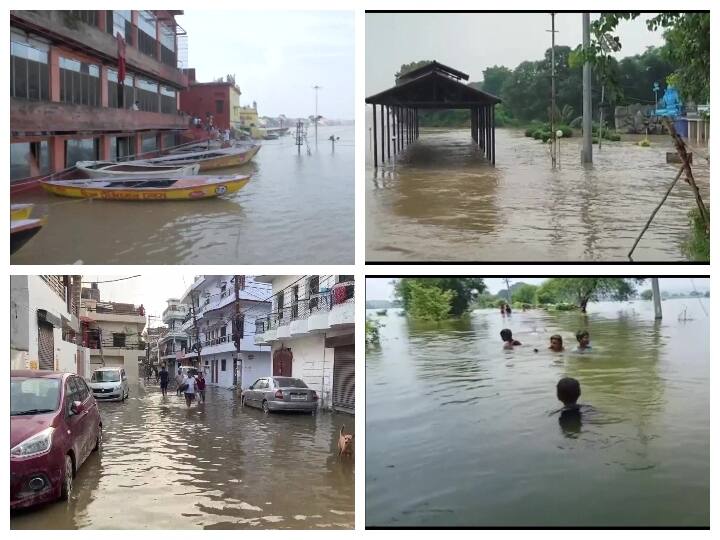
x=316, y=88
x=237, y=332
x=657, y=300
x=198, y=345
x=586, y=154
x=552, y=91
x=507, y=284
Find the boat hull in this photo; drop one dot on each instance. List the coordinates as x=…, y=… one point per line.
x=20, y=211
x=22, y=231
x=232, y=160
x=186, y=193
x=140, y=171
x=223, y=158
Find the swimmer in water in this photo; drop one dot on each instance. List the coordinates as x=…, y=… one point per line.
x=583, y=338
x=507, y=337
x=556, y=343
x=570, y=420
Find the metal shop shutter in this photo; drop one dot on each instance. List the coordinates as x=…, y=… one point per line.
x=343, y=393
x=46, y=346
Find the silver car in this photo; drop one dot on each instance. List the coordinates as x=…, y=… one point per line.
x=109, y=384
x=280, y=394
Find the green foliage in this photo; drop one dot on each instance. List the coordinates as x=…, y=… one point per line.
x=525, y=294
x=580, y=291
x=372, y=331
x=697, y=246
x=465, y=289
x=406, y=68
x=644, y=143
x=494, y=78
x=646, y=294
x=429, y=302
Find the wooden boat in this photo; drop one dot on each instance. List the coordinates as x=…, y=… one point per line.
x=20, y=211
x=22, y=230
x=155, y=189
x=209, y=159
x=109, y=169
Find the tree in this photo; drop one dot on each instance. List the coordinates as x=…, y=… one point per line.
x=493, y=79
x=407, y=68
x=429, y=302
x=526, y=294
x=465, y=289
x=646, y=294
x=583, y=290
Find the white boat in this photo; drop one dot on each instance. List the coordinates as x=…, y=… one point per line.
x=109, y=169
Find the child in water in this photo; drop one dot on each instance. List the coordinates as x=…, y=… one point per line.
x=508, y=341
x=570, y=420
x=583, y=338
x=556, y=343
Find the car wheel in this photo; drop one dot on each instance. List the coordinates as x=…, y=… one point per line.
x=265, y=407
x=67, y=480
x=98, y=441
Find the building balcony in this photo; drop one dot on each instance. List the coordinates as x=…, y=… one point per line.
x=342, y=312
x=319, y=309
x=50, y=116
x=60, y=26
x=171, y=313
x=172, y=335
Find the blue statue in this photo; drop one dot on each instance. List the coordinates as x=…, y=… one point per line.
x=670, y=104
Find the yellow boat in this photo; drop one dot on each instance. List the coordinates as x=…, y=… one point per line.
x=221, y=158
x=20, y=211
x=155, y=189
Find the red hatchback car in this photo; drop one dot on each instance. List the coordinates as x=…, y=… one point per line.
x=54, y=426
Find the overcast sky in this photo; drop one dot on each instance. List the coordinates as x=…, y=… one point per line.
x=471, y=42
x=277, y=56
x=382, y=288
x=150, y=291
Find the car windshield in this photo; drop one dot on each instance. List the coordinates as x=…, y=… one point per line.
x=289, y=382
x=34, y=395
x=105, y=376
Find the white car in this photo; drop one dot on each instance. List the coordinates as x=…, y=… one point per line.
x=109, y=384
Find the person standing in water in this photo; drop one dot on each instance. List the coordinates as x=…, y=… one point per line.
x=200, y=380
x=164, y=379
x=190, y=389
x=583, y=338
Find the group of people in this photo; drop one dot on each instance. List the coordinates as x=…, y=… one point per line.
x=556, y=341
x=189, y=383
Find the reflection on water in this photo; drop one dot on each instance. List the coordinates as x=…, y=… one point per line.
x=442, y=201
x=461, y=432
x=216, y=466
x=295, y=209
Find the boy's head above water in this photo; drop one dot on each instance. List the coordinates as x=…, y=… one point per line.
x=556, y=343
x=568, y=390
x=583, y=337
x=506, y=334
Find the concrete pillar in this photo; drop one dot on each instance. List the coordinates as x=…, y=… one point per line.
x=105, y=148
x=57, y=153
x=102, y=19
x=54, y=74
x=138, y=143
x=104, y=99
x=134, y=31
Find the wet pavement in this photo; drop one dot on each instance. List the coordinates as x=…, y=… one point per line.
x=212, y=466
x=441, y=201
x=295, y=209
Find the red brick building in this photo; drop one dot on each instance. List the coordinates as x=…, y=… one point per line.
x=65, y=101
x=217, y=98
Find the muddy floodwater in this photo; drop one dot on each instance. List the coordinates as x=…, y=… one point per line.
x=461, y=432
x=440, y=201
x=216, y=466
x=295, y=209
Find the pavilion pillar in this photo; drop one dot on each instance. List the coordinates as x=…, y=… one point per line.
x=387, y=118
x=417, y=125
x=481, y=129
x=489, y=133
x=394, y=131
x=374, y=130
x=382, y=132
x=493, y=134
x=400, y=128
x=473, y=124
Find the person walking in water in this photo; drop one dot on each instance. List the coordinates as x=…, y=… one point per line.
x=200, y=382
x=164, y=378
x=179, y=380
x=190, y=388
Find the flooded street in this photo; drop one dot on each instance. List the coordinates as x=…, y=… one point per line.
x=213, y=466
x=461, y=432
x=294, y=206
x=442, y=202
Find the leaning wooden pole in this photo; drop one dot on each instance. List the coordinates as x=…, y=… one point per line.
x=689, y=178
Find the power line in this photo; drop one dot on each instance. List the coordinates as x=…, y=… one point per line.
x=110, y=280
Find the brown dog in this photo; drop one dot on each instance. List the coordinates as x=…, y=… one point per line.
x=345, y=441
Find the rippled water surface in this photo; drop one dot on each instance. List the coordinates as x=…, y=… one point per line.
x=442, y=202
x=216, y=466
x=460, y=432
x=295, y=209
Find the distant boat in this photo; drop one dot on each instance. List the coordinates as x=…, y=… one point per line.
x=105, y=169
x=220, y=158
x=22, y=230
x=154, y=189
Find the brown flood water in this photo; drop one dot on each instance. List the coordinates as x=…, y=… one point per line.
x=295, y=210
x=442, y=202
x=213, y=466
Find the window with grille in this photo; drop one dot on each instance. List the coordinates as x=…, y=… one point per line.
x=118, y=339
x=81, y=150
x=168, y=100
x=79, y=82
x=29, y=72
x=219, y=106
x=149, y=144
x=29, y=159
x=146, y=92
x=120, y=22
x=147, y=33
x=88, y=17
x=167, y=45
x=114, y=97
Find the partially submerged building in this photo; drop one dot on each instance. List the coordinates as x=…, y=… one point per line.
x=67, y=102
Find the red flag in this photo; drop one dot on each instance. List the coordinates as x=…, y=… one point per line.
x=121, y=57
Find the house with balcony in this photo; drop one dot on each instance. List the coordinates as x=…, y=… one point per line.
x=217, y=98
x=44, y=324
x=174, y=340
x=68, y=98
x=311, y=331
x=112, y=332
x=220, y=327
x=152, y=341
